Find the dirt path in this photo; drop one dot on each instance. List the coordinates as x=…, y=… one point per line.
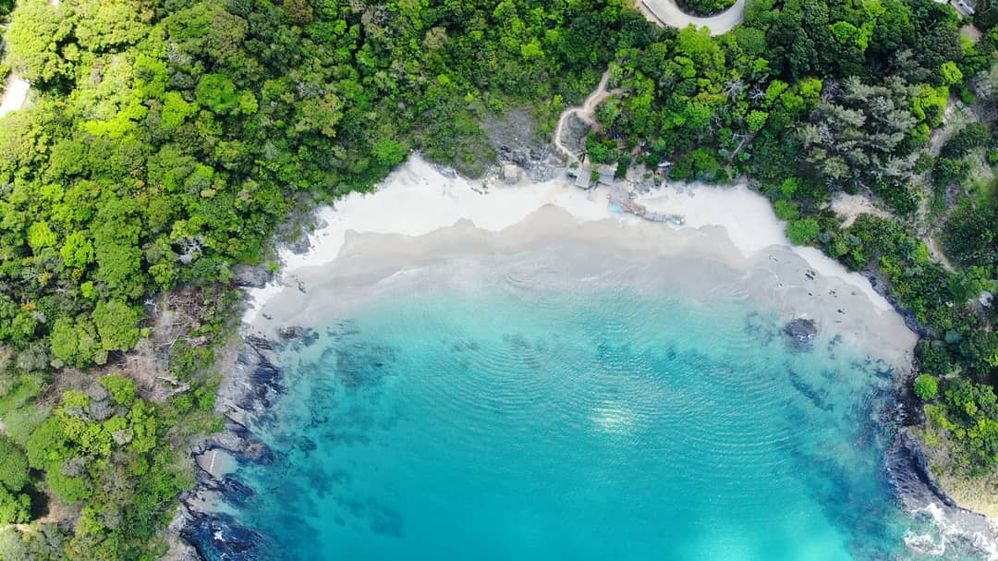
x=667, y=12
x=14, y=95
x=849, y=207
x=661, y=12
x=584, y=113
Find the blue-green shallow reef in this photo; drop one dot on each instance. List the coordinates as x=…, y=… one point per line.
x=602, y=423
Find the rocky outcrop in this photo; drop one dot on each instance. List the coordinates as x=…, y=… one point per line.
x=200, y=531
x=573, y=134
x=220, y=536
x=919, y=492
x=514, y=138
x=908, y=472
x=254, y=383
x=511, y=174
x=881, y=288
x=251, y=277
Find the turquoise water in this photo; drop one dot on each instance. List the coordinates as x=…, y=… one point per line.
x=604, y=424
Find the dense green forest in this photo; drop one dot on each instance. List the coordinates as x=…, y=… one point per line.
x=170, y=138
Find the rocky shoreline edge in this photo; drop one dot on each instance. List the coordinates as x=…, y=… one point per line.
x=203, y=531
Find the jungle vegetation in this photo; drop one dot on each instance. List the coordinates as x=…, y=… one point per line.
x=169, y=139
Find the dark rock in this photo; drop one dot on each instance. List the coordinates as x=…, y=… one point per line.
x=916, y=488
x=219, y=536
x=235, y=491
x=252, y=277
x=909, y=475
x=254, y=384
x=245, y=399
x=304, y=335
x=575, y=133
x=881, y=288
x=513, y=136
x=800, y=333
x=290, y=332
x=299, y=246
x=238, y=441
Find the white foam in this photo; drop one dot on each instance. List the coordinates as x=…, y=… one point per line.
x=951, y=532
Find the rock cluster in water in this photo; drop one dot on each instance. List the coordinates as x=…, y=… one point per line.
x=800, y=333
x=244, y=398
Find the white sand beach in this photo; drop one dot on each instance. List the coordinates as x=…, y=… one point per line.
x=420, y=217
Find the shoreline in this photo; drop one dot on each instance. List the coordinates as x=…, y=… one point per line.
x=555, y=250
x=418, y=204
x=429, y=200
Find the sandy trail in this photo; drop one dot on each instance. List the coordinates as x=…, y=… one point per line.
x=667, y=12
x=14, y=95
x=585, y=113
x=661, y=12
x=849, y=207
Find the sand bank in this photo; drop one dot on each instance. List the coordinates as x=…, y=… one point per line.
x=731, y=245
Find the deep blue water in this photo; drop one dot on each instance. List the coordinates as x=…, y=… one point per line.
x=597, y=425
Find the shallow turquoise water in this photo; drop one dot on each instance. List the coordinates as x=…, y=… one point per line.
x=597, y=425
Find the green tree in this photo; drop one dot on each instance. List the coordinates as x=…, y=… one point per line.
x=117, y=325
x=77, y=251
x=803, y=230
x=40, y=40
x=15, y=508
x=75, y=341
x=13, y=466
x=218, y=93
x=389, y=152
x=950, y=73
x=103, y=24
x=121, y=388
x=756, y=120
x=926, y=387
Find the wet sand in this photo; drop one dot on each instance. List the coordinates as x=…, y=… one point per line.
x=424, y=228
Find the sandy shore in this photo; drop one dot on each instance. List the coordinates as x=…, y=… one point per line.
x=731, y=245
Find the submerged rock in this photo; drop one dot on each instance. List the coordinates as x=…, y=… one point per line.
x=800, y=333
x=295, y=333
x=219, y=536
